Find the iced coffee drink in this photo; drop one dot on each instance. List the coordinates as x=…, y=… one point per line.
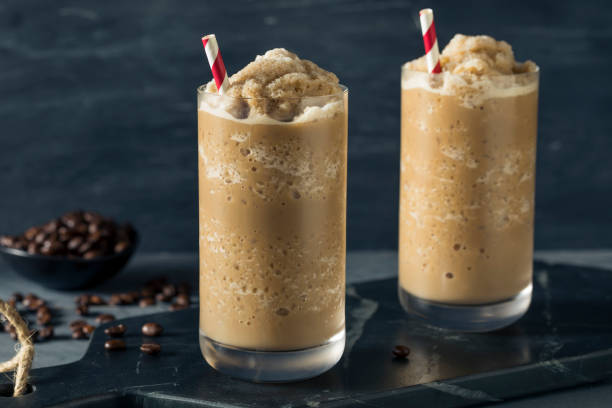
x=272, y=212
x=467, y=186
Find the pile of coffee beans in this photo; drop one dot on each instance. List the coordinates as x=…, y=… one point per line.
x=156, y=290
x=77, y=234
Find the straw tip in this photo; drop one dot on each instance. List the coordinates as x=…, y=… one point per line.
x=425, y=11
x=206, y=37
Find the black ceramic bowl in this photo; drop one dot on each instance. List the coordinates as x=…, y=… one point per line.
x=63, y=273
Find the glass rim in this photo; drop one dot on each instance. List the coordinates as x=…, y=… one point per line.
x=344, y=90
x=446, y=73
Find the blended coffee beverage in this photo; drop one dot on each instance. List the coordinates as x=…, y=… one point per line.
x=467, y=185
x=272, y=193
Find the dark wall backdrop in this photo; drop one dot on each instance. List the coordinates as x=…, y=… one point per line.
x=97, y=104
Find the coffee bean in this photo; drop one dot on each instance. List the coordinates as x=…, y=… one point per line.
x=88, y=329
x=17, y=297
x=82, y=300
x=43, y=319
x=160, y=297
x=34, y=304
x=127, y=298
x=150, y=348
x=46, y=333
x=169, y=290
x=77, y=324
x=82, y=310
x=152, y=329
x=121, y=246
x=43, y=310
x=176, y=307
x=28, y=299
x=157, y=283
x=20, y=243
x=114, y=344
x=182, y=299
x=40, y=238
x=96, y=300
x=146, y=301
x=13, y=303
x=105, y=318
x=114, y=300
x=79, y=334
x=115, y=331
x=33, y=248
x=92, y=254
x=7, y=241
x=401, y=351
x=51, y=226
x=75, y=243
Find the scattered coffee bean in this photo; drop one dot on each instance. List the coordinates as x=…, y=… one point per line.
x=115, y=331
x=43, y=310
x=114, y=344
x=401, y=351
x=105, y=318
x=88, y=329
x=169, y=290
x=29, y=299
x=44, y=319
x=182, y=299
x=82, y=310
x=121, y=246
x=160, y=297
x=177, y=306
x=152, y=329
x=115, y=300
x=150, y=348
x=46, y=333
x=79, y=334
x=77, y=324
x=17, y=297
x=35, y=304
x=96, y=300
x=146, y=301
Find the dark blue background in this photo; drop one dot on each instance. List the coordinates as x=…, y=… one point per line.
x=97, y=104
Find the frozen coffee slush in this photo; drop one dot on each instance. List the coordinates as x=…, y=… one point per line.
x=467, y=185
x=272, y=212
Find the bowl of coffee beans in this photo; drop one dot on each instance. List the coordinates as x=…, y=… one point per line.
x=77, y=250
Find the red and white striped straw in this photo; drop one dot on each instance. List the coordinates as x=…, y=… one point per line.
x=432, y=52
x=216, y=63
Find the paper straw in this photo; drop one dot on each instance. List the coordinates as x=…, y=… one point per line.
x=432, y=52
x=216, y=63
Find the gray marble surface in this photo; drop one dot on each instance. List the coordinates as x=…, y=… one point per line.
x=362, y=266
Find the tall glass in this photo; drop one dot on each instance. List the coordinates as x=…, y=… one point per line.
x=467, y=198
x=272, y=214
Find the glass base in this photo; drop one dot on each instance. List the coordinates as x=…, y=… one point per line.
x=273, y=366
x=467, y=318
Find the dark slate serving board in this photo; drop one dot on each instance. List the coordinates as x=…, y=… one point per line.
x=564, y=340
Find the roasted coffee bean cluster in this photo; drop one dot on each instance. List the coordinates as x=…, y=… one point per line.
x=158, y=289
x=31, y=304
x=148, y=329
x=77, y=234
